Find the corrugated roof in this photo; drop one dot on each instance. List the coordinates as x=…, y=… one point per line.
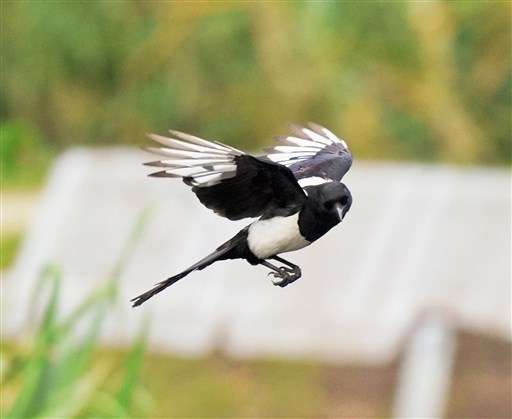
x=417, y=238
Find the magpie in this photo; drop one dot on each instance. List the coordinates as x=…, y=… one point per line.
x=294, y=191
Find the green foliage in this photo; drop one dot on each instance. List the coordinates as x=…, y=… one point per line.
x=413, y=80
x=24, y=155
x=61, y=371
x=9, y=244
x=411, y=135
x=58, y=374
x=220, y=387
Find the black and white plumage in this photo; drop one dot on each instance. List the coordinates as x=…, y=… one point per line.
x=314, y=154
x=295, y=191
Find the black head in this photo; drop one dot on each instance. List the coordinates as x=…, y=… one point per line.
x=332, y=199
x=324, y=208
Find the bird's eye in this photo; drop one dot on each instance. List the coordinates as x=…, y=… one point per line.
x=328, y=205
x=344, y=200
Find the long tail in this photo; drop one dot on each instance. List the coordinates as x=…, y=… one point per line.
x=221, y=253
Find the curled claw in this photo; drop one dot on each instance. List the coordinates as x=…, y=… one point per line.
x=286, y=275
x=278, y=279
x=284, y=279
x=282, y=283
x=283, y=275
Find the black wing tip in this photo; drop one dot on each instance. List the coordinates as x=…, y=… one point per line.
x=156, y=163
x=187, y=180
x=162, y=173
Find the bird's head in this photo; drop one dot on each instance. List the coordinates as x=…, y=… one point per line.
x=332, y=199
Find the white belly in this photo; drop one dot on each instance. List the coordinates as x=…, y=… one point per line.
x=277, y=235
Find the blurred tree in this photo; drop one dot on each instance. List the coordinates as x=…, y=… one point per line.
x=23, y=154
x=407, y=80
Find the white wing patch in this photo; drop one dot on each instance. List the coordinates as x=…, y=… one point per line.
x=303, y=144
x=312, y=181
x=200, y=162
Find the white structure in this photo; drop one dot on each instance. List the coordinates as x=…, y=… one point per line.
x=417, y=238
x=425, y=375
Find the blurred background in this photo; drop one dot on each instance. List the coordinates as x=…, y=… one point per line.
x=421, y=91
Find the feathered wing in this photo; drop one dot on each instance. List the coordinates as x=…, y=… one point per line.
x=313, y=153
x=233, y=184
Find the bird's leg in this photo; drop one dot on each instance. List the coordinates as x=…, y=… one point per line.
x=293, y=268
x=287, y=275
x=276, y=271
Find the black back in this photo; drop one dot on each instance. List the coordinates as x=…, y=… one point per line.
x=260, y=188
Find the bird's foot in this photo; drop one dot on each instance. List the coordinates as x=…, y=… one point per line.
x=285, y=276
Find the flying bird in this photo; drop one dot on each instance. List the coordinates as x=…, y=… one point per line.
x=294, y=191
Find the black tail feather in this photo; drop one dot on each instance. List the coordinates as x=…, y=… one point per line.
x=137, y=301
x=223, y=252
x=203, y=263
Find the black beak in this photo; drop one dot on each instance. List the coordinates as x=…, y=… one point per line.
x=340, y=210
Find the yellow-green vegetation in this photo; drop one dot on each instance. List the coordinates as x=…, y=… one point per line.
x=426, y=81
x=24, y=156
x=170, y=386
x=56, y=375
x=60, y=370
x=218, y=387
x=53, y=371
x=57, y=368
x=400, y=80
x=9, y=244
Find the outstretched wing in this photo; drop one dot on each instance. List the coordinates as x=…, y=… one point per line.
x=233, y=184
x=314, y=154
